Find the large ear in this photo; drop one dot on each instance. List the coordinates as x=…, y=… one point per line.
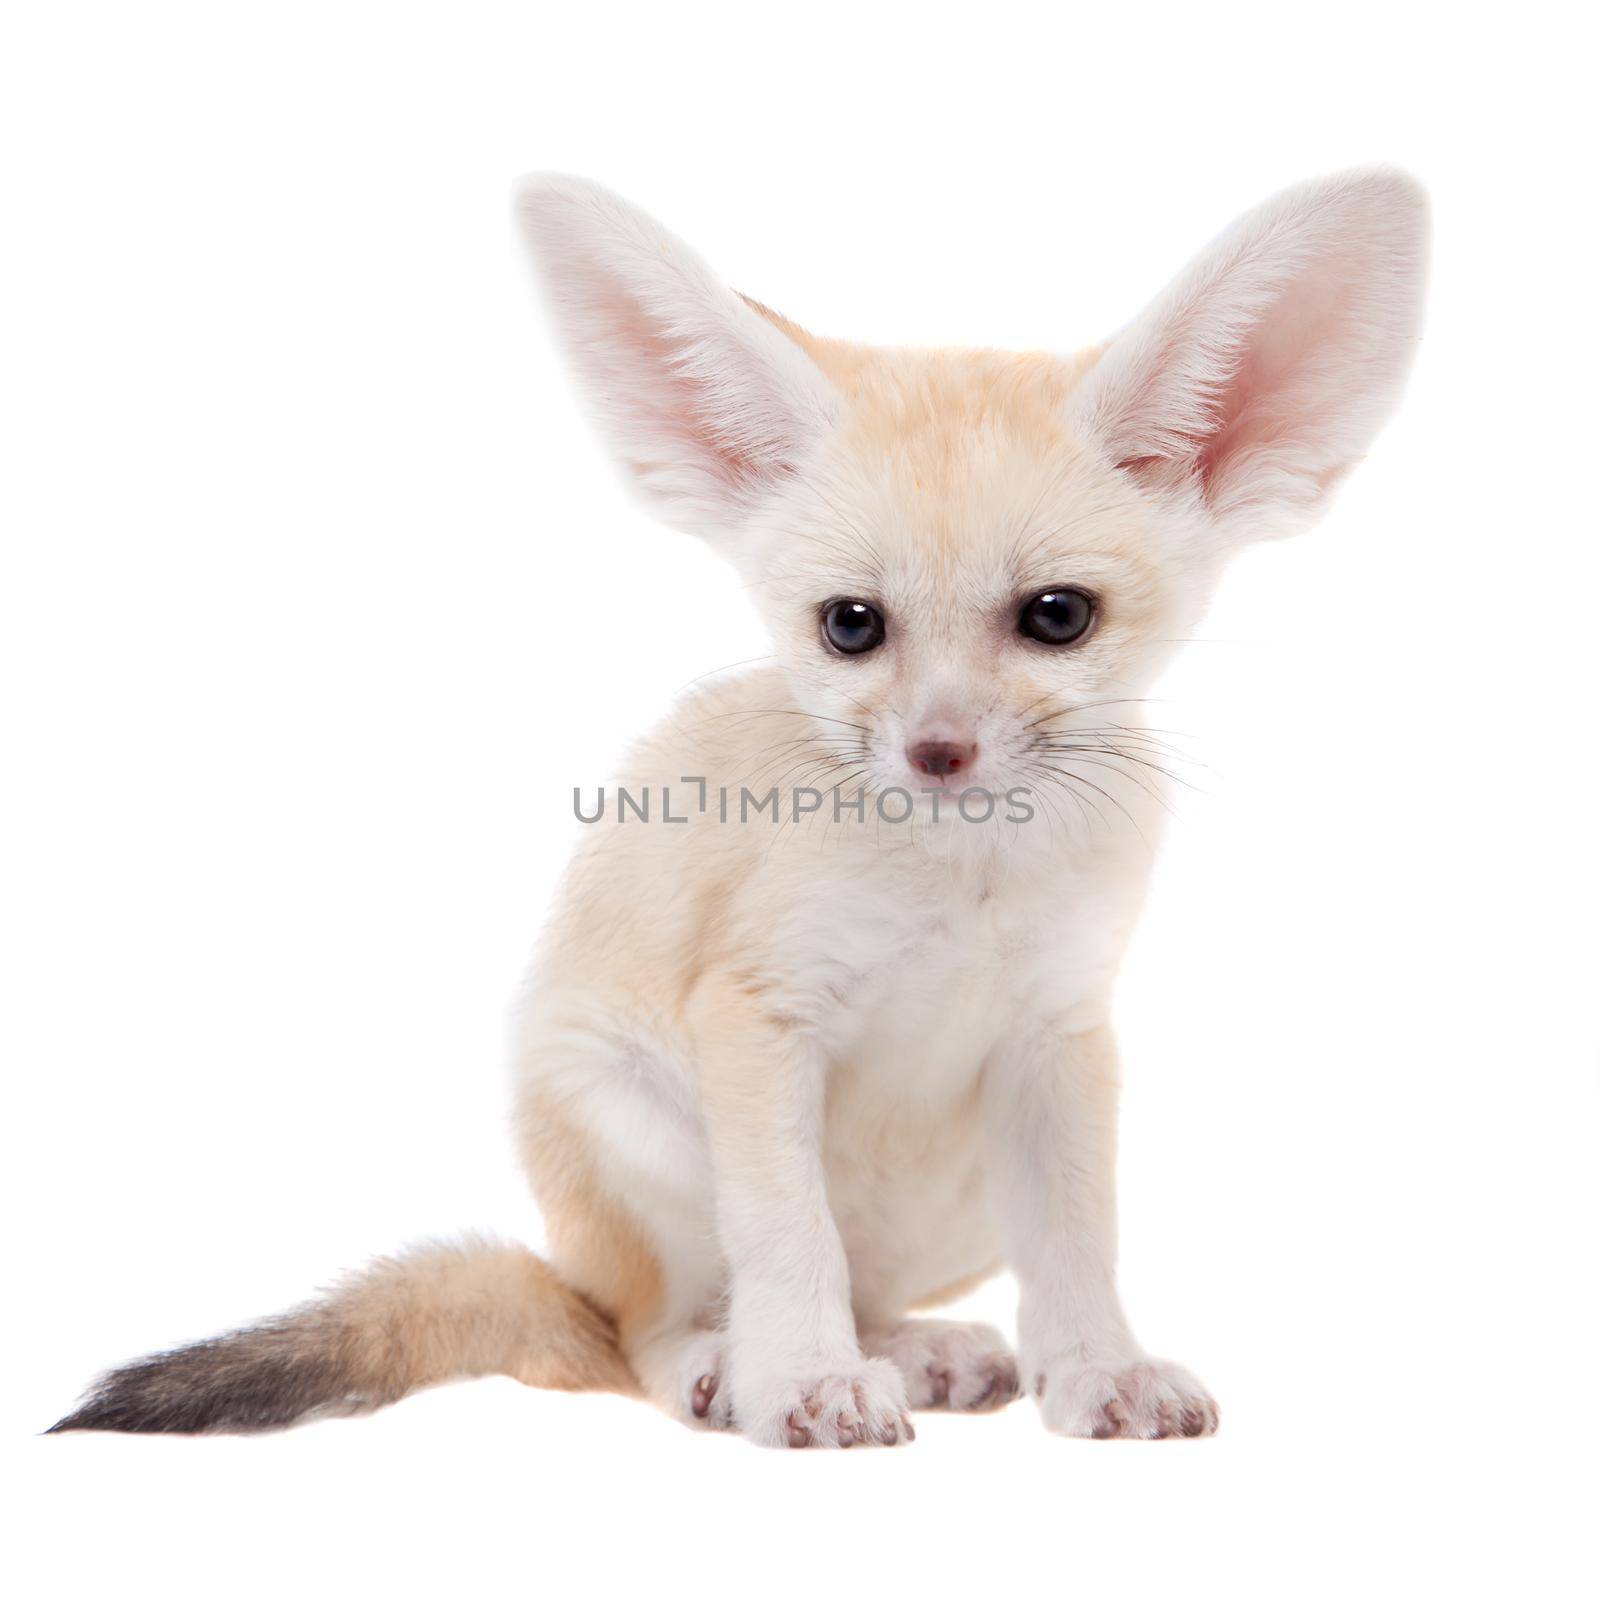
x=1264, y=372
x=707, y=405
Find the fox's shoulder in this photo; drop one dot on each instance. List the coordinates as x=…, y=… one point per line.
x=717, y=727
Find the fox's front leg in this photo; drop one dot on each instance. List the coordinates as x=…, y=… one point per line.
x=795, y=1370
x=1052, y=1114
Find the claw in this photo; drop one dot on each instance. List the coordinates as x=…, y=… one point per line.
x=704, y=1392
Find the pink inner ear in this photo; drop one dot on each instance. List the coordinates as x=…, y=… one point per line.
x=659, y=392
x=1290, y=378
x=1262, y=375
x=697, y=391
x=705, y=402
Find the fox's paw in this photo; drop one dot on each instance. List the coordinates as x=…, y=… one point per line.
x=861, y=1404
x=959, y=1366
x=683, y=1374
x=1139, y=1399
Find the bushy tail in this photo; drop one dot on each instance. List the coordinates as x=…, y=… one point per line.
x=436, y=1312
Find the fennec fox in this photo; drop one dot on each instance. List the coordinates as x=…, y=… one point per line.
x=789, y=1071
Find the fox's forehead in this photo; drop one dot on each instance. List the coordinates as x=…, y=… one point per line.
x=936, y=405
x=960, y=467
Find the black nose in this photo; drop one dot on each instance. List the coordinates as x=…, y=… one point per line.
x=940, y=757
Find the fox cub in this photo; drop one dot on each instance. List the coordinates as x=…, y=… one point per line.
x=822, y=1040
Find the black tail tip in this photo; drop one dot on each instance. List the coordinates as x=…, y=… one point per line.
x=93, y=1418
x=82, y=1422
x=269, y=1376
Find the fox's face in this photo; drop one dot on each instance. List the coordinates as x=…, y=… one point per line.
x=955, y=581
x=971, y=562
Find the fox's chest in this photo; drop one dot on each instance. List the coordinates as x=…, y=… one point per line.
x=947, y=987
x=929, y=1016
x=911, y=1175
x=908, y=1170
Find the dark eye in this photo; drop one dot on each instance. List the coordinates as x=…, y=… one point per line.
x=1058, y=616
x=852, y=627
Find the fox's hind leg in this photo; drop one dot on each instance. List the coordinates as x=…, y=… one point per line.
x=955, y=1366
x=682, y=1370
x=639, y=1244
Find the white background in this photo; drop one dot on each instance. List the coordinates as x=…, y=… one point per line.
x=317, y=601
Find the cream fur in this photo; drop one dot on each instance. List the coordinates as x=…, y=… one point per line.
x=781, y=1084
x=829, y=1070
